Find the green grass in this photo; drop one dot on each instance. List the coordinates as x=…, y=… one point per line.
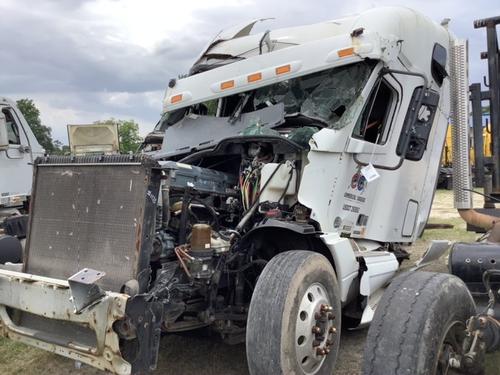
x=457, y=233
x=16, y=357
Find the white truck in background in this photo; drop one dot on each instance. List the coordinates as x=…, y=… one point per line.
x=18, y=149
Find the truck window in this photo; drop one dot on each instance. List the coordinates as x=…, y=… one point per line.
x=325, y=95
x=12, y=128
x=373, y=125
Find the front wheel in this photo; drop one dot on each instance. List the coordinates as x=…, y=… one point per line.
x=418, y=326
x=294, y=318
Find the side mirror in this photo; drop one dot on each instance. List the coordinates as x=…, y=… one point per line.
x=418, y=123
x=4, y=136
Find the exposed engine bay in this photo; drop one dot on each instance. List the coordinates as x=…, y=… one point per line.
x=204, y=266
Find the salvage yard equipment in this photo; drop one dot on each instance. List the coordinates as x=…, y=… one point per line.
x=292, y=166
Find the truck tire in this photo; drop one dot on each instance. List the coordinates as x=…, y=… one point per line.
x=294, y=317
x=420, y=319
x=11, y=250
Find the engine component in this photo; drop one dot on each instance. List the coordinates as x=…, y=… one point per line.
x=469, y=261
x=200, y=239
x=219, y=244
x=165, y=205
x=203, y=180
x=163, y=246
x=16, y=225
x=200, y=260
x=283, y=183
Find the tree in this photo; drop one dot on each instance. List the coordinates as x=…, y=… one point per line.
x=128, y=131
x=42, y=133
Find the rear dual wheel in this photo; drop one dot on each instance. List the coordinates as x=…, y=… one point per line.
x=294, y=318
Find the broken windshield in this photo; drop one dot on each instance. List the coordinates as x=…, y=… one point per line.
x=324, y=96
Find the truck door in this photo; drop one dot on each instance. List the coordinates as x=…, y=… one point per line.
x=15, y=160
x=370, y=139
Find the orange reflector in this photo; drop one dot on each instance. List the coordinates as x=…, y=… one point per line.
x=283, y=69
x=176, y=98
x=227, y=85
x=346, y=52
x=254, y=77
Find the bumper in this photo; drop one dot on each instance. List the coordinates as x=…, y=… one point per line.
x=38, y=311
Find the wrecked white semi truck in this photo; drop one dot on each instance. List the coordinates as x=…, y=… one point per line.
x=294, y=163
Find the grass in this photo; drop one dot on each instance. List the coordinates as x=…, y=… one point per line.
x=213, y=358
x=16, y=358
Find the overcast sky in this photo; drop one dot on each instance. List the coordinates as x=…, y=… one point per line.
x=88, y=60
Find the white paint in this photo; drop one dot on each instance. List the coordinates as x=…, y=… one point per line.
x=16, y=171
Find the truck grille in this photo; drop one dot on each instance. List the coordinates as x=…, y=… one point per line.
x=93, y=212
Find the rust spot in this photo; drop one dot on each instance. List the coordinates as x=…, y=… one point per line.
x=138, y=238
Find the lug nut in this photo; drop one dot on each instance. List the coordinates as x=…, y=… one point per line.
x=327, y=350
x=332, y=330
x=320, y=351
x=316, y=329
x=326, y=308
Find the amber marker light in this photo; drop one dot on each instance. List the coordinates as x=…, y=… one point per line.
x=346, y=52
x=254, y=77
x=283, y=69
x=227, y=85
x=176, y=98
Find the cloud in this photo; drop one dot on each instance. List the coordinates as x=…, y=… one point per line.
x=86, y=60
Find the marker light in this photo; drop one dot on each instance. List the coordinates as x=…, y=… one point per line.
x=283, y=69
x=254, y=77
x=176, y=98
x=346, y=52
x=227, y=85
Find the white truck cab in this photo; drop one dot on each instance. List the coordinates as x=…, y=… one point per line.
x=293, y=165
x=18, y=149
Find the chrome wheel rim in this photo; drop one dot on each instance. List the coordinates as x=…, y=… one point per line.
x=314, y=329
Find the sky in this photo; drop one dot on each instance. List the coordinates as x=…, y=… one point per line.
x=87, y=60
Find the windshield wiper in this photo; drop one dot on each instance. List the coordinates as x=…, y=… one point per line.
x=235, y=116
x=314, y=120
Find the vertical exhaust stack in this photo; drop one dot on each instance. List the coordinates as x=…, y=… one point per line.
x=459, y=117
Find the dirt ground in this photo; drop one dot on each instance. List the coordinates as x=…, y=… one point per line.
x=197, y=352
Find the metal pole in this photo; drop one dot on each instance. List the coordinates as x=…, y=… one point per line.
x=494, y=89
x=477, y=127
x=488, y=203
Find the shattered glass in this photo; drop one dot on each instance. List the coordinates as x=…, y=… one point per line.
x=330, y=98
x=326, y=95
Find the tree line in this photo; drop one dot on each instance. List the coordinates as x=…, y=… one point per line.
x=128, y=130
